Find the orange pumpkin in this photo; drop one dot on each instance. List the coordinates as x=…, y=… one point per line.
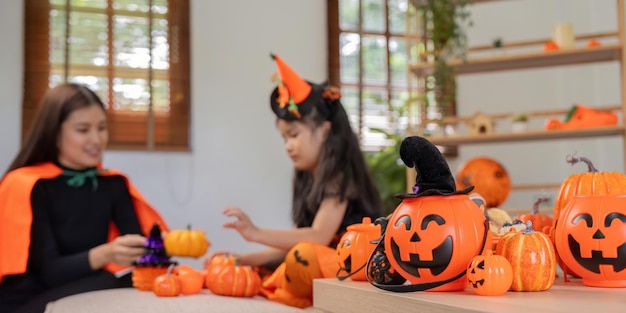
x=431, y=239
x=489, y=274
x=355, y=247
x=593, y=43
x=532, y=258
x=166, y=285
x=540, y=222
x=191, y=280
x=489, y=178
x=216, y=264
x=590, y=238
x=593, y=182
x=237, y=281
x=550, y=45
x=186, y=242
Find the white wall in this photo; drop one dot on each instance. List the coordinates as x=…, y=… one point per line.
x=238, y=156
x=541, y=89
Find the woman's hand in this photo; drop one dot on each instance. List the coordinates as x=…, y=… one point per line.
x=122, y=250
x=243, y=224
x=126, y=249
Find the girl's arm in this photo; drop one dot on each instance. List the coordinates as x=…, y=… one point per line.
x=263, y=257
x=324, y=227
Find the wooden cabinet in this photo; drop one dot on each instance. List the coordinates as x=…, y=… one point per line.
x=526, y=55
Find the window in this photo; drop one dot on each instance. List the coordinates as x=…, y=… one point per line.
x=368, y=59
x=133, y=53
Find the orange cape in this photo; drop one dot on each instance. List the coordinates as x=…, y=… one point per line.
x=16, y=215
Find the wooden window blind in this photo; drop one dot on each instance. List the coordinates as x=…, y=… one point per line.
x=133, y=53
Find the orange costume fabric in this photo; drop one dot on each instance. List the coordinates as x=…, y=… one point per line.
x=16, y=214
x=292, y=282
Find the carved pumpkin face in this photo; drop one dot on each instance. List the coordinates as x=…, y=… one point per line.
x=433, y=238
x=489, y=274
x=355, y=247
x=590, y=238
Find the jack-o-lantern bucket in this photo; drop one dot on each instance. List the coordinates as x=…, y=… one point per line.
x=354, y=249
x=432, y=239
x=590, y=238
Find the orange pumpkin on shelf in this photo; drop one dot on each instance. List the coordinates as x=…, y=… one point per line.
x=236, y=281
x=540, y=222
x=167, y=285
x=489, y=178
x=592, y=182
x=186, y=242
x=593, y=43
x=550, y=45
x=590, y=239
x=191, y=280
x=532, y=258
x=489, y=274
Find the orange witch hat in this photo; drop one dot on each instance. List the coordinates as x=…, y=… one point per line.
x=297, y=88
x=294, y=97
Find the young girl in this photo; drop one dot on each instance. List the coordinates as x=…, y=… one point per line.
x=332, y=189
x=67, y=225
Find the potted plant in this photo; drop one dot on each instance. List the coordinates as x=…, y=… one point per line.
x=443, y=37
x=519, y=122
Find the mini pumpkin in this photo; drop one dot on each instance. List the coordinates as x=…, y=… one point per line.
x=592, y=182
x=216, y=264
x=236, y=281
x=489, y=274
x=186, y=242
x=489, y=178
x=540, y=222
x=432, y=239
x=590, y=239
x=532, y=259
x=167, y=285
x=191, y=280
x=354, y=249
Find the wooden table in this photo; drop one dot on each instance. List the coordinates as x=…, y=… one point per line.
x=332, y=295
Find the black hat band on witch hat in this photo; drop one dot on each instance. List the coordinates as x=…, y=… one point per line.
x=433, y=173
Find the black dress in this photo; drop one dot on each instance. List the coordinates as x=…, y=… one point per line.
x=67, y=222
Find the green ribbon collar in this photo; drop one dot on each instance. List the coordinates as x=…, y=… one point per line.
x=77, y=179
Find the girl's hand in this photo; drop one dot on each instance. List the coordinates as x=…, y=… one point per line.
x=243, y=224
x=126, y=249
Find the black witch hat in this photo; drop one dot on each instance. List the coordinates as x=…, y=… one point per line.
x=433, y=173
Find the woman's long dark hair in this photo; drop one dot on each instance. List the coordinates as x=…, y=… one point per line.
x=341, y=171
x=56, y=106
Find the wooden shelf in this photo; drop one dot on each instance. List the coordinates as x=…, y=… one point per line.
x=528, y=60
x=528, y=136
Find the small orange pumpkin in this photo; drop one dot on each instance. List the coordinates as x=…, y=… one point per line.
x=191, y=280
x=540, y=222
x=236, y=281
x=532, y=259
x=550, y=45
x=216, y=264
x=167, y=285
x=593, y=182
x=489, y=274
x=186, y=242
x=489, y=178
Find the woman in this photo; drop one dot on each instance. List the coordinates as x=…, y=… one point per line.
x=67, y=225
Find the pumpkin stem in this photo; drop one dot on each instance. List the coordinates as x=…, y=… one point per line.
x=571, y=159
x=169, y=269
x=540, y=199
x=189, y=226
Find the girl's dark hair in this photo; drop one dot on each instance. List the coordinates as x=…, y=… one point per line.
x=55, y=107
x=341, y=171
